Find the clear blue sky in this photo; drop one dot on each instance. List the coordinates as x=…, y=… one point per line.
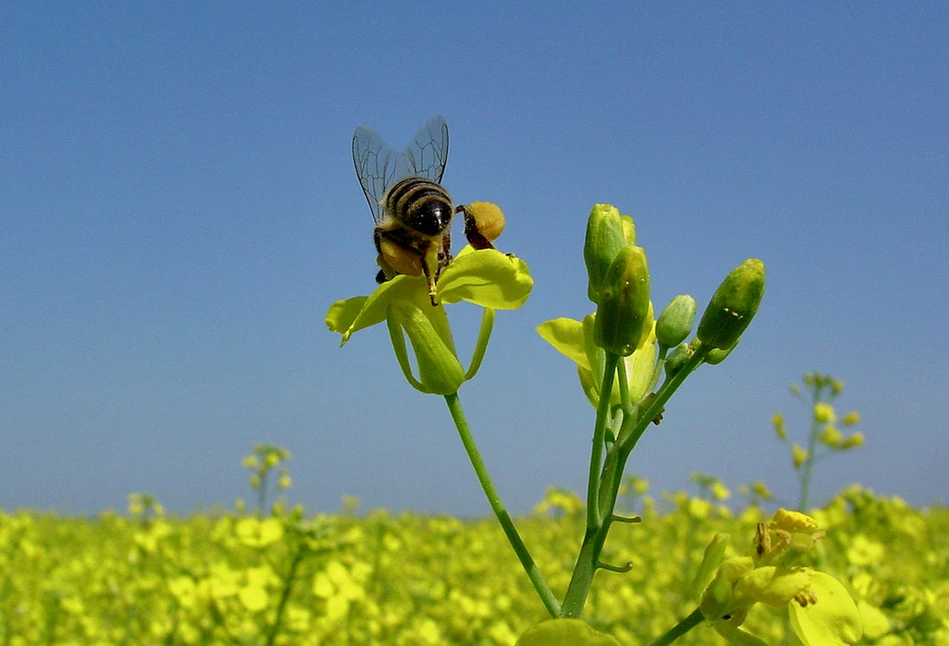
x=178, y=209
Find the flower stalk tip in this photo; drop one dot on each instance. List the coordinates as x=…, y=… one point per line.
x=733, y=305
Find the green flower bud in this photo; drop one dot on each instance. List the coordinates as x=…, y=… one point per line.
x=624, y=303
x=678, y=358
x=676, y=321
x=439, y=370
x=605, y=237
x=733, y=306
x=717, y=355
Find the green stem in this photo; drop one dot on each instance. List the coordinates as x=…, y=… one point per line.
x=605, y=488
x=285, y=595
x=809, y=460
x=494, y=499
x=657, y=403
x=594, y=520
x=262, y=495
x=587, y=563
x=680, y=628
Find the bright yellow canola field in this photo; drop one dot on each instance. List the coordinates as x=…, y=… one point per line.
x=233, y=578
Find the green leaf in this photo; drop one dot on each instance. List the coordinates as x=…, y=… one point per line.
x=565, y=632
x=834, y=619
x=487, y=278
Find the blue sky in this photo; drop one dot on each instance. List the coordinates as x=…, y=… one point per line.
x=178, y=209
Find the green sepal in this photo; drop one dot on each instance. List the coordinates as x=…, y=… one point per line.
x=595, y=355
x=712, y=558
x=440, y=372
x=733, y=305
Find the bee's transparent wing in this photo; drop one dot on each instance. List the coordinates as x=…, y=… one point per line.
x=378, y=166
x=375, y=165
x=427, y=155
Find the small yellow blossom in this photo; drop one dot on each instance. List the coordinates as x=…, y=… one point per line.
x=799, y=455
x=853, y=440
x=720, y=491
x=761, y=489
x=284, y=482
x=824, y=412
x=831, y=437
x=778, y=421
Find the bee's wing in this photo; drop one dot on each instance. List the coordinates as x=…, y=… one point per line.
x=375, y=165
x=427, y=155
x=378, y=166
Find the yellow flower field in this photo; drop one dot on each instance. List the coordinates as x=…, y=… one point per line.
x=235, y=578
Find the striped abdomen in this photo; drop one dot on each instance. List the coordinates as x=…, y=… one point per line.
x=420, y=205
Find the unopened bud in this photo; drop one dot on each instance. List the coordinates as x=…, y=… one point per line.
x=733, y=306
x=605, y=237
x=678, y=358
x=716, y=355
x=854, y=439
x=624, y=303
x=675, y=322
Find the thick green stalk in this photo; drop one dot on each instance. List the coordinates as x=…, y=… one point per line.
x=598, y=523
x=609, y=475
x=594, y=520
x=494, y=499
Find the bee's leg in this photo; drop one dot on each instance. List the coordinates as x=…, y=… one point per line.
x=444, y=254
x=475, y=238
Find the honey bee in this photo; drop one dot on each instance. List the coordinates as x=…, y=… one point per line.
x=412, y=211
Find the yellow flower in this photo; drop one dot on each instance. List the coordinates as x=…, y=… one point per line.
x=852, y=441
x=799, y=455
x=824, y=412
x=574, y=339
x=485, y=277
x=831, y=437
x=851, y=418
x=820, y=608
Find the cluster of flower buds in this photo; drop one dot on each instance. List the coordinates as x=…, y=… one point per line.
x=618, y=280
x=619, y=285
